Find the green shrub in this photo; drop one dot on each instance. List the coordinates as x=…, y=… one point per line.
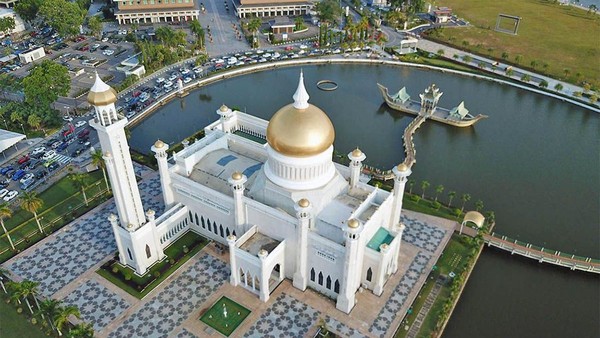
x=115, y=269
x=127, y=276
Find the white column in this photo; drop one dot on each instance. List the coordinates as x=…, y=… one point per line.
x=150, y=214
x=356, y=157
x=160, y=153
x=114, y=222
x=226, y=114
x=234, y=278
x=303, y=214
x=237, y=181
x=346, y=298
x=398, y=234
x=380, y=278
x=264, y=275
x=401, y=173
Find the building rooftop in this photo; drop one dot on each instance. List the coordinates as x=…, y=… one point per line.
x=259, y=241
x=382, y=236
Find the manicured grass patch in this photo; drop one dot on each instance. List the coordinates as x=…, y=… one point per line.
x=551, y=37
x=456, y=257
x=62, y=204
x=177, y=254
x=225, y=316
x=13, y=324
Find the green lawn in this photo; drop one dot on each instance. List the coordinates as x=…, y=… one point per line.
x=140, y=286
x=62, y=203
x=554, y=37
x=13, y=324
x=215, y=316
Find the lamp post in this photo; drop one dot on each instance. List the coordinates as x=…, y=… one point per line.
x=5, y=124
x=23, y=129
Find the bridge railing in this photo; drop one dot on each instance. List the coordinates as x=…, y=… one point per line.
x=545, y=250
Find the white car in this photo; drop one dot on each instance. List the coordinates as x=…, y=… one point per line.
x=185, y=71
x=187, y=80
x=26, y=177
x=11, y=195
x=160, y=80
x=104, y=39
x=168, y=84
x=49, y=154
x=3, y=192
x=197, y=70
x=108, y=52
x=80, y=124
x=38, y=150
x=172, y=77
x=67, y=118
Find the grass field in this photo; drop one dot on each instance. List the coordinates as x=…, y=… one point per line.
x=13, y=324
x=560, y=41
x=215, y=318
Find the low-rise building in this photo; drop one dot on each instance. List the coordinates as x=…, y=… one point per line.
x=32, y=55
x=152, y=11
x=442, y=14
x=265, y=8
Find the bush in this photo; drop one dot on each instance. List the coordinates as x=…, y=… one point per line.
x=128, y=276
x=436, y=205
x=19, y=310
x=115, y=269
x=185, y=249
x=172, y=261
x=33, y=321
x=156, y=274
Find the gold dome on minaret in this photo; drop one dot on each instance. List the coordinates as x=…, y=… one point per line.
x=300, y=129
x=101, y=94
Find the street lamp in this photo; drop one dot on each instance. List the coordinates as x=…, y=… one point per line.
x=5, y=124
x=23, y=129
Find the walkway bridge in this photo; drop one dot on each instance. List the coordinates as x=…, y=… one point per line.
x=541, y=254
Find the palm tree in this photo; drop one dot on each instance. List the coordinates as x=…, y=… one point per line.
x=30, y=288
x=5, y=211
x=479, y=205
x=451, y=196
x=438, y=190
x=98, y=161
x=78, y=180
x=3, y=274
x=82, y=330
x=15, y=288
x=558, y=87
x=253, y=26
x=49, y=307
x=198, y=31
x=30, y=202
x=424, y=186
x=62, y=316
x=299, y=22
x=411, y=184
x=465, y=198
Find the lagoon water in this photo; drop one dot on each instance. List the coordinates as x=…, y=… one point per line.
x=535, y=162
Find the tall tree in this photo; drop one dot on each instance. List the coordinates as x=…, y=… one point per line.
x=45, y=83
x=30, y=202
x=64, y=16
x=95, y=25
x=3, y=274
x=7, y=24
x=438, y=190
x=78, y=180
x=329, y=11
x=5, y=211
x=465, y=198
x=479, y=205
x=98, y=161
x=198, y=31
x=28, y=9
x=424, y=186
x=50, y=309
x=411, y=184
x=30, y=289
x=451, y=195
x=81, y=330
x=62, y=317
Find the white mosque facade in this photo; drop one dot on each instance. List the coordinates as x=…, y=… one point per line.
x=270, y=191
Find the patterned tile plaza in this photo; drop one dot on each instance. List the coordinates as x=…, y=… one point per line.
x=421, y=234
x=391, y=308
x=289, y=317
x=161, y=315
x=59, y=261
x=185, y=334
x=97, y=304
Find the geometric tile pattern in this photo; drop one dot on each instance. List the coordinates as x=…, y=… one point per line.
x=172, y=305
x=289, y=317
x=421, y=234
x=185, y=334
x=97, y=304
x=62, y=259
x=390, y=310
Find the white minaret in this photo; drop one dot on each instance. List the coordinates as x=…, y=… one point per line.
x=401, y=173
x=237, y=181
x=135, y=239
x=160, y=153
x=351, y=280
x=226, y=114
x=356, y=157
x=303, y=214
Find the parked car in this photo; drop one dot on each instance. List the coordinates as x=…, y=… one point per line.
x=25, y=184
x=10, y=172
x=34, y=163
x=18, y=174
x=51, y=141
x=62, y=146
x=55, y=145
x=11, y=195
x=80, y=124
x=4, y=170
x=77, y=152
x=67, y=118
x=53, y=166
x=26, y=177
x=38, y=150
x=83, y=133
x=23, y=159
x=3, y=192
x=41, y=174
x=49, y=154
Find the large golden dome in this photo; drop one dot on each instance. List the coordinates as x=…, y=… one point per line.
x=300, y=129
x=101, y=94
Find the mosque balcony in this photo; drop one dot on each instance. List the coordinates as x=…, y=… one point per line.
x=172, y=224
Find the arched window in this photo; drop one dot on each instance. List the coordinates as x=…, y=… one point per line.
x=148, y=253
x=221, y=230
x=215, y=230
x=312, y=274
x=202, y=220
x=129, y=253
x=336, y=286
x=227, y=232
x=328, y=285
x=234, y=233
x=198, y=223
x=320, y=278
x=369, y=274
x=209, y=227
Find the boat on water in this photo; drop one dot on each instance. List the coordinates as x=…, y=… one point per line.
x=458, y=116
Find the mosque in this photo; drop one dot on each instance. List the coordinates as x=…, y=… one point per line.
x=270, y=191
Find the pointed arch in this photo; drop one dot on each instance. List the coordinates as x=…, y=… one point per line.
x=336, y=286
x=209, y=226
x=312, y=274
x=148, y=253
x=202, y=220
x=129, y=253
x=328, y=284
x=221, y=230
x=234, y=233
x=227, y=232
x=320, y=278
x=369, y=274
x=215, y=229
x=198, y=223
